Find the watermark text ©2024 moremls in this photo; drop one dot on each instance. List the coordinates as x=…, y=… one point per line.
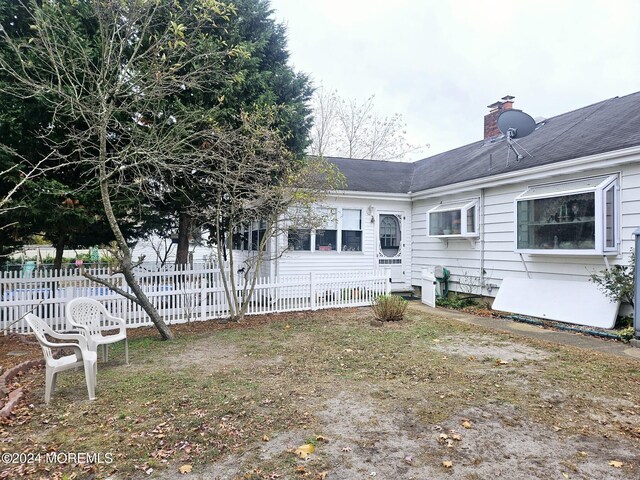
x=57, y=458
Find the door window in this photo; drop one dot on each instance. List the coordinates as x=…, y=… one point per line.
x=389, y=235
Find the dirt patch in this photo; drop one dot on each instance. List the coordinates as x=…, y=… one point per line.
x=487, y=347
x=502, y=442
x=211, y=354
x=15, y=350
x=367, y=440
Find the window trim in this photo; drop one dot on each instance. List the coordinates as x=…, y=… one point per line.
x=463, y=206
x=607, y=181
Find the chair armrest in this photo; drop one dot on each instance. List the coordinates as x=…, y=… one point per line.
x=74, y=346
x=80, y=338
x=122, y=325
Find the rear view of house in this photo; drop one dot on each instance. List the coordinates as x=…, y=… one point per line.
x=558, y=204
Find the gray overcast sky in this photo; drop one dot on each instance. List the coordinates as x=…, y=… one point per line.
x=440, y=63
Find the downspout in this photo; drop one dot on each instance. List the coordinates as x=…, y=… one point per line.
x=481, y=228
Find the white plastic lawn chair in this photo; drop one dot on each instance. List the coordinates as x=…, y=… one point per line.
x=91, y=318
x=82, y=356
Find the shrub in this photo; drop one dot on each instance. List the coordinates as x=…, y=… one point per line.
x=389, y=308
x=454, y=301
x=626, y=334
x=617, y=283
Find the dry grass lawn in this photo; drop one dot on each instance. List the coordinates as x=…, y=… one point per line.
x=428, y=397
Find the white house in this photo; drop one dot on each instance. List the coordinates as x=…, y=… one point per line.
x=563, y=209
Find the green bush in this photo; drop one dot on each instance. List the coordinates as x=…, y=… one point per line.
x=454, y=301
x=626, y=334
x=389, y=308
x=617, y=282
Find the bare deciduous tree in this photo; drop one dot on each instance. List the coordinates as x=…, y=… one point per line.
x=348, y=128
x=113, y=74
x=258, y=180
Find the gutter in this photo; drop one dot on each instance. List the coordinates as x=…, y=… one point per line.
x=406, y=197
x=608, y=160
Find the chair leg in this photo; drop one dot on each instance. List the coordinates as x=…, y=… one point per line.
x=126, y=350
x=48, y=384
x=106, y=353
x=89, y=373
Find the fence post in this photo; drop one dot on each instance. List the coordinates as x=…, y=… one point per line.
x=387, y=274
x=312, y=290
x=203, y=303
x=69, y=294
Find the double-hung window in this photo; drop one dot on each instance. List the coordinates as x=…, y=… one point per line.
x=241, y=238
x=351, y=230
x=327, y=237
x=299, y=239
x=258, y=230
x=575, y=217
x=457, y=219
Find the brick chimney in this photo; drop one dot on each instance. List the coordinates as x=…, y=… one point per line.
x=491, y=118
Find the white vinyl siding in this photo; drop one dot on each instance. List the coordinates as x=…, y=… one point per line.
x=300, y=262
x=498, y=233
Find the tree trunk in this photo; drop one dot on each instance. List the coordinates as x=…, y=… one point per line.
x=57, y=262
x=143, y=300
x=184, y=228
x=127, y=268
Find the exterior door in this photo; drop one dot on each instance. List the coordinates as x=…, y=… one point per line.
x=390, y=245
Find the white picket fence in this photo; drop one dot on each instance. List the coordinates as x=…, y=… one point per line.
x=179, y=295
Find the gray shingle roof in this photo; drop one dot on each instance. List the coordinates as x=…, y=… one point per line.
x=606, y=126
x=375, y=175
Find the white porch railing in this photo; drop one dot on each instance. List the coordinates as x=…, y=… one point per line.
x=179, y=295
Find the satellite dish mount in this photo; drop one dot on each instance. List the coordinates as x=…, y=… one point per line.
x=515, y=124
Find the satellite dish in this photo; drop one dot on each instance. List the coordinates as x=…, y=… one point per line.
x=515, y=123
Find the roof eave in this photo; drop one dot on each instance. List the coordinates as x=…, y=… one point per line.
x=604, y=160
x=371, y=195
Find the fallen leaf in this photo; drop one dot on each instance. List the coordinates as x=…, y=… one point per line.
x=346, y=449
x=557, y=429
x=582, y=453
x=323, y=475
x=185, y=469
x=149, y=471
x=372, y=474
x=457, y=437
x=265, y=438
x=303, y=451
x=408, y=459
x=300, y=469
x=447, y=464
x=502, y=362
x=616, y=463
x=321, y=438
x=565, y=475
x=466, y=424
x=442, y=437
x=435, y=340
